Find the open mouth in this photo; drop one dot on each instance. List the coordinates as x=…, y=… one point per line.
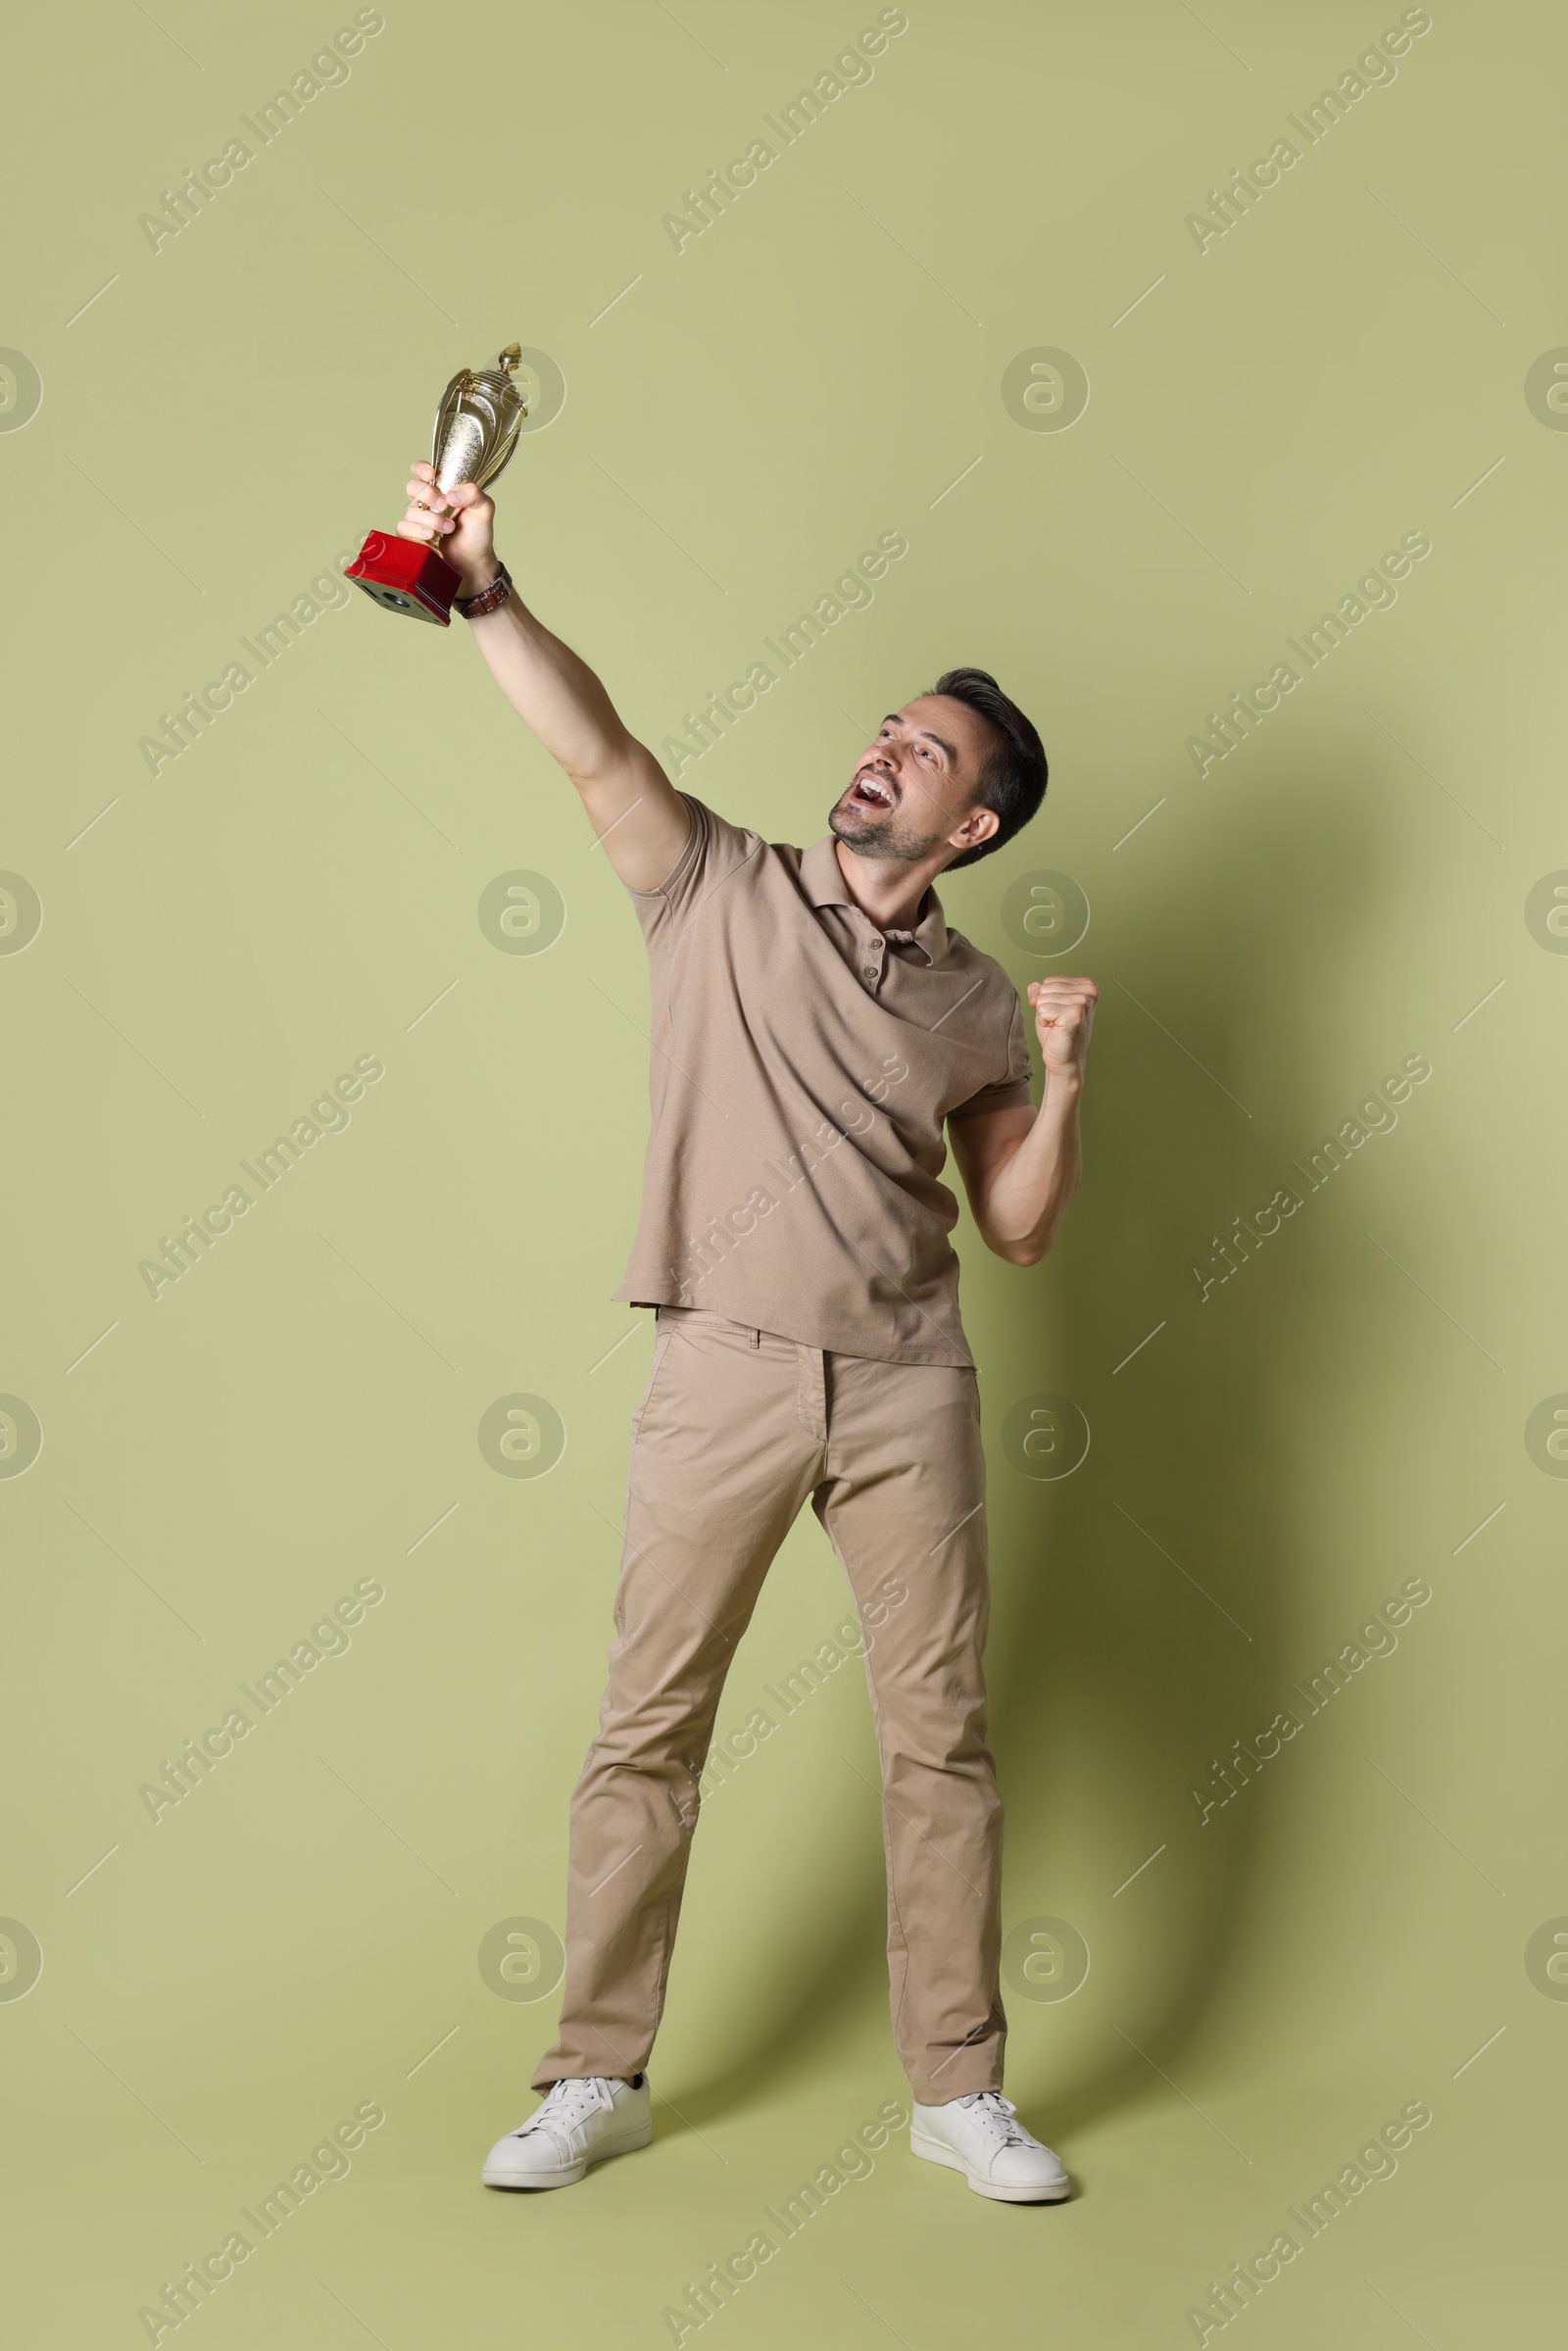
x=873, y=790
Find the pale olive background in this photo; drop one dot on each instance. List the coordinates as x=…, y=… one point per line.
x=231, y=414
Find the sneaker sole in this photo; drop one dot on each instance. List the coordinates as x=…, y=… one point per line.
x=933, y=2151
x=569, y=2176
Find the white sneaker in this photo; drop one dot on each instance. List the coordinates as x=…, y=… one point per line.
x=980, y=2136
x=579, y=2122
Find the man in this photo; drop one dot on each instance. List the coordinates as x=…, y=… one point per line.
x=816, y=1026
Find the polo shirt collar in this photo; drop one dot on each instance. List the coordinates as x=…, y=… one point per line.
x=824, y=884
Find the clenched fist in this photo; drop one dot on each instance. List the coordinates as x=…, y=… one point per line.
x=1065, y=1015
x=458, y=524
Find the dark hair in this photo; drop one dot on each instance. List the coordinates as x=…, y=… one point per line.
x=1012, y=781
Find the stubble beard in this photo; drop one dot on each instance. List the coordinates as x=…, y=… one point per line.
x=893, y=843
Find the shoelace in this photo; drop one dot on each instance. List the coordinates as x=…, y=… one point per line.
x=567, y=2104
x=995, y=2114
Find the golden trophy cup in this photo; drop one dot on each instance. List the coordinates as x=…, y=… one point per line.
x=476, y=429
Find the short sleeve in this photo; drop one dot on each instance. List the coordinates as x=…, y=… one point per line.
x=715, y=851
x=1013, y=1091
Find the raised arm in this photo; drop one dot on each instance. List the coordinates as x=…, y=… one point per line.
x=631, y=802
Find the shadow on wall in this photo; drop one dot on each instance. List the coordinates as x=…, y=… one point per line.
x=1113, y=1678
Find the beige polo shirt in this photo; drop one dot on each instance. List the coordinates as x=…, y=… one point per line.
x=804, y=1065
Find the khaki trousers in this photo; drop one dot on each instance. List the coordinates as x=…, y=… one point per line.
x=737, y=1431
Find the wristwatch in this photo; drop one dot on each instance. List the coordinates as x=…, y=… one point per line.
x=487, y=600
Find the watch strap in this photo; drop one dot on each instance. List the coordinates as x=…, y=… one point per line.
x=488, y=600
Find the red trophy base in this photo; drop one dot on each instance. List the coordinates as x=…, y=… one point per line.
x=406, y=577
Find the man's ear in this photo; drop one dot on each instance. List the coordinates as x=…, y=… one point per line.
x=977, y=826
